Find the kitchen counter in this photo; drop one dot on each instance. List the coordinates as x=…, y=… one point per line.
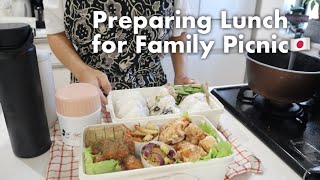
x=35, y=169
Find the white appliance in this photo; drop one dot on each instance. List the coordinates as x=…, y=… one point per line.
x=21, y=8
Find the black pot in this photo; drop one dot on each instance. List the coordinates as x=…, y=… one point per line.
x=268, y=76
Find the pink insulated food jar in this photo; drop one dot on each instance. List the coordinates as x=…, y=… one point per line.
x=78, y=106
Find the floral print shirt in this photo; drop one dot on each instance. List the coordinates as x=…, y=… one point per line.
x=128, y=69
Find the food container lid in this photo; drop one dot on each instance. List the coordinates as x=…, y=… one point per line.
x=78, y=100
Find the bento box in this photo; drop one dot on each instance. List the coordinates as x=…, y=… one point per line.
x=213, y=114
x=205, y=169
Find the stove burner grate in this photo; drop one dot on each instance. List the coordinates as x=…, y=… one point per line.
x=274, y=110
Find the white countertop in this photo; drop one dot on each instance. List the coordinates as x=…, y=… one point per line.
x=13, y=168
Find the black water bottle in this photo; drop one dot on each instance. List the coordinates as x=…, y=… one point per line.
x=20, y=92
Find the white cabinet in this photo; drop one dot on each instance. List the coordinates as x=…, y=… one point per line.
x=193, y=7
x=233, y=7
x=217, y=70
x=61, y=74
x=61, y=77
x=217, y=34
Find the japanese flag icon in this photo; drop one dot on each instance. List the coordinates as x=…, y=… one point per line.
x=300, y=44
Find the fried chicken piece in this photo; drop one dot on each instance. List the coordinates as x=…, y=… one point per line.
x=173, y=131
x=208, y=143
x=116, y=150
x=131, y=162
x=97, y=148
x=127, y=140
x=194, y=134
x=188, y=152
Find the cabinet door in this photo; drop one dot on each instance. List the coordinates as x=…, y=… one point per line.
x=61, y=77
x=193, y=7
x=217, y=70
x=217, y=34
x=233, y=7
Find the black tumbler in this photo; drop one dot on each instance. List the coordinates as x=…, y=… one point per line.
x=20, y=92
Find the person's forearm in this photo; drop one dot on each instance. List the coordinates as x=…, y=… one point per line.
x=178, y=59
x=66, y=53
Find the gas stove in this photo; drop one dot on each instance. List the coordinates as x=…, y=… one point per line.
x=292, y=131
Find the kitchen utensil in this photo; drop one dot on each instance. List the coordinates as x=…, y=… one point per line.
x=20, y=92
x=47, y=84
x=21, y=8
x=78, y=106
x=298, y=33
x=269, y=77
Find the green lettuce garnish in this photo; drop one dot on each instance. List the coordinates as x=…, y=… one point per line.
x=185, y=114
x=211, y=155
x=102, y=167
x=222, y=149
x=208, y=129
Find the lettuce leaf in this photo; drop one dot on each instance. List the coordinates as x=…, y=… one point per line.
x=185, y=114
x=211, y=155
x=224, y=149
x=208, y=129
x=92, y=168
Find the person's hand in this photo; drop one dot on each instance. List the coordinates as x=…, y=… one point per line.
x=98, y=79
x=184, y=80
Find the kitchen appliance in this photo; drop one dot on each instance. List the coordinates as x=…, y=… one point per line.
x=20, y=92
x=37, y=11
x=21, y=8
x=280, y=105
x=292, y=132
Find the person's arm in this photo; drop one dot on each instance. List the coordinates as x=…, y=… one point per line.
x=178, y=61
x=66, y=53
